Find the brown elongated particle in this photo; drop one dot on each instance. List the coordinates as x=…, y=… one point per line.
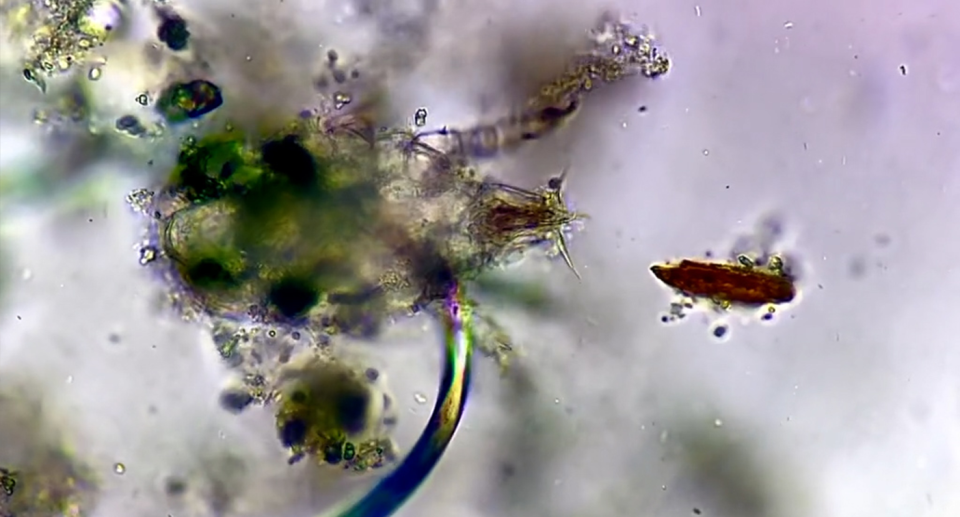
x=724, y=282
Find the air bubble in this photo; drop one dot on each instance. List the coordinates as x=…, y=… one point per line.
x=119, y=468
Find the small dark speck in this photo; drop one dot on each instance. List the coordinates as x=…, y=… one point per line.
x=857, y=267
x=882, y=240
x=696, y=511
x=150, y=163
x=903, y=69
x=113, y=337
x=295, y=336
x=767, y=316
x=727, y=187
x=90, y=220
x=173, y=32
x=508, y=470
x=719, y=331
x=642, y=109
x=372, y=374
x=235, y=401
x=130, y=125
x=18, y=317
x=175, y=486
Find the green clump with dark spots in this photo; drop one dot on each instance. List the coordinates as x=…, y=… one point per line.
x=8, y=481
x=181, y=102
x=173, y=32
x=209, y=171
x=282, y=223
x=324, y=415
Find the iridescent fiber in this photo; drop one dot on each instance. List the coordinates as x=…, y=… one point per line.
x=391, y=492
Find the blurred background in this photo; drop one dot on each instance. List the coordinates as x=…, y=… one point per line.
x=826, y=131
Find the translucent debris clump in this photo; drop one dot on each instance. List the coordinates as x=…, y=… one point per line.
x=61, y=34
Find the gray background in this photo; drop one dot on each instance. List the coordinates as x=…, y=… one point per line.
x=840, y=118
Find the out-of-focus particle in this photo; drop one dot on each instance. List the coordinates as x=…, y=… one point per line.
x=39, y=474
x=119, y=468
x=130, y=125
x=173, y=31
x=95, y=73
x=33, y=77
x=184, y=101
x=728, y=283
x=175, y=486
x=420, y=117
x=8, y=482
x=341, y=99
x=235, y=401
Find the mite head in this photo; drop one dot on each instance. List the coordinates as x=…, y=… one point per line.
x=506, y=220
